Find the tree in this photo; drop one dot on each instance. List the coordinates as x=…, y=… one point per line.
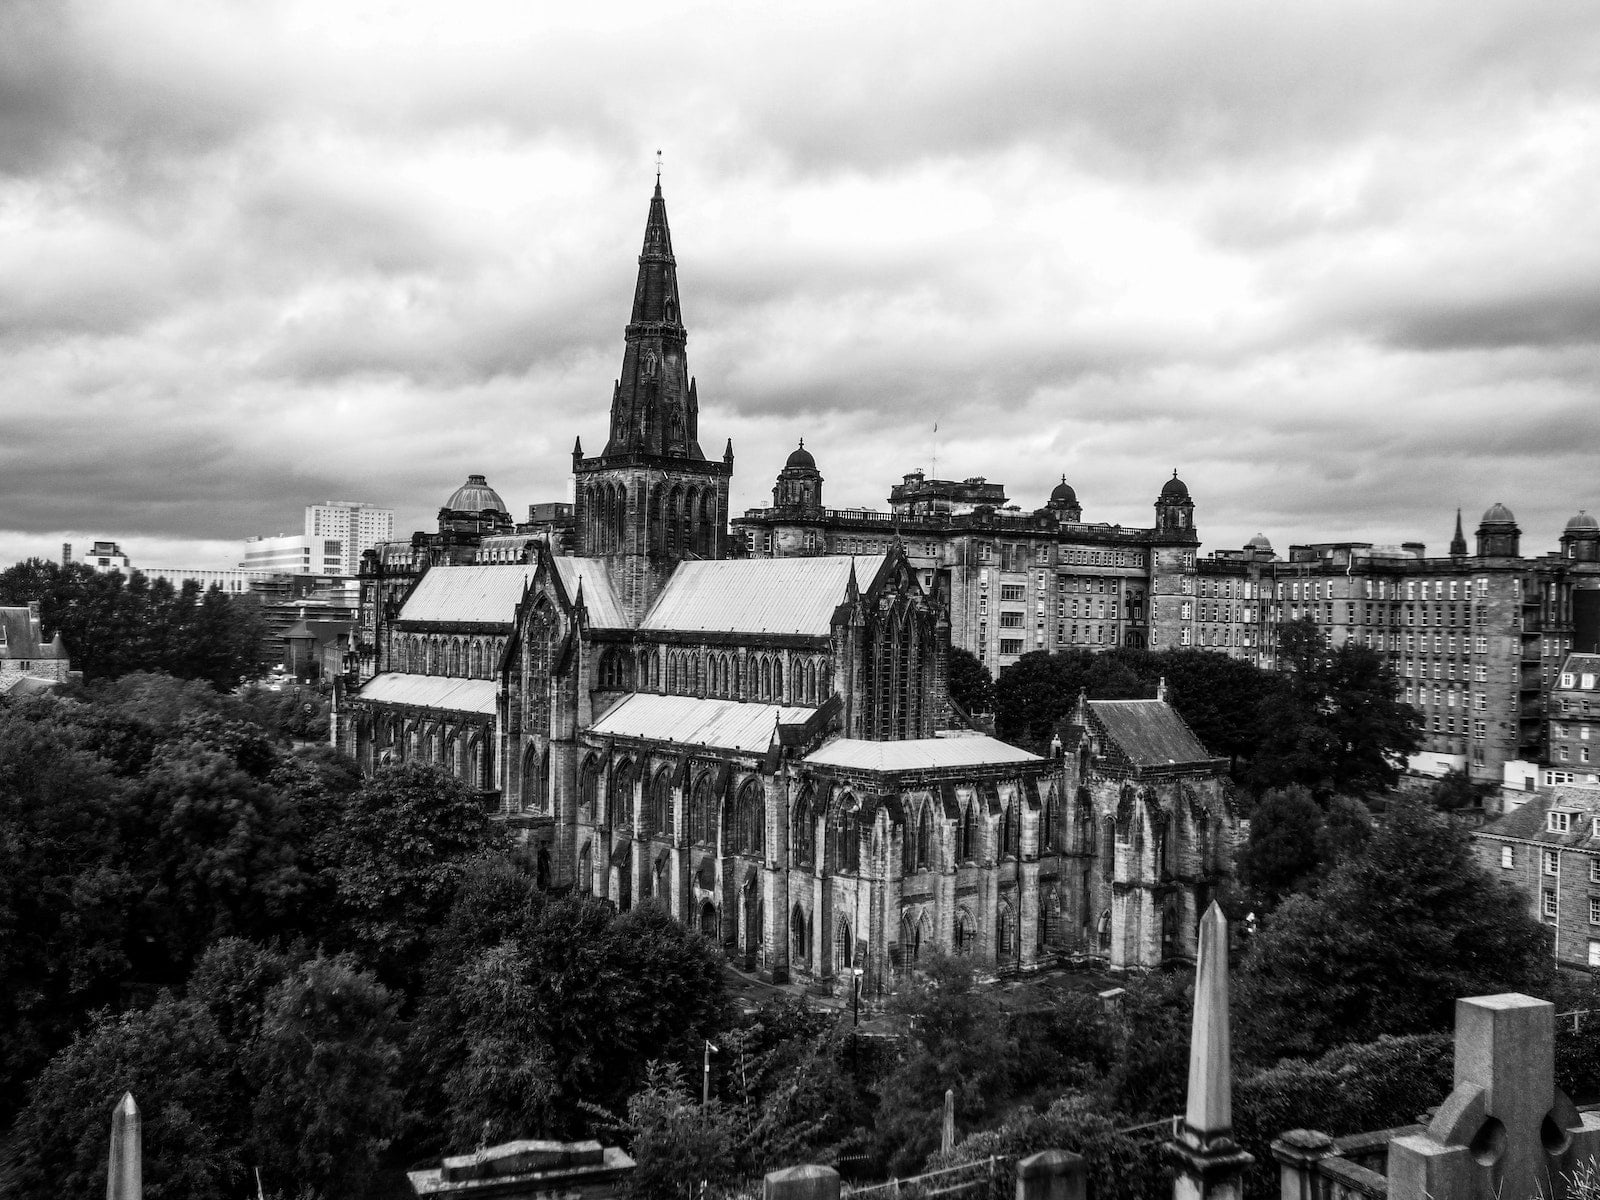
x=1332, y=722
x=971, y=685
x=1455, y=790
x=324, y=1069
x=682, y=1152
x=395, y=858
x=957, y=1040
x=113, y=624
x=1391, y=939
x=177, y=1065
x=538, y=1003
x=1285, y=848
x=1036, y=692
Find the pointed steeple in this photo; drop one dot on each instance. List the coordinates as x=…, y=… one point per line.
x=654, y=409
x=1458, y=544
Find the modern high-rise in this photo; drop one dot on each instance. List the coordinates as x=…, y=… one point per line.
x=357, y=526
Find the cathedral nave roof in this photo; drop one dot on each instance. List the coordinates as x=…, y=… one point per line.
x=598, y=598
x=917, y=754
x=759, y=595
x=685, y=720
x=468, y=594
x=432, y=691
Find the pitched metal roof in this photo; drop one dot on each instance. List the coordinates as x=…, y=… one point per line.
x=1149, y=732
x=723, y=724
x=431, y=691
x=918, y=754
x=604, y=610
x=759, y=595
x=476, y=594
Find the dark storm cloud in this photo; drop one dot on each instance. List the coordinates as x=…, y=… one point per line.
x=1332, y=262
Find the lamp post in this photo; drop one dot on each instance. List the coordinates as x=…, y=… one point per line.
x=705, y=1085
x=857, y=972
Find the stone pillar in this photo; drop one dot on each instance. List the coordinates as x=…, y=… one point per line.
x=1052, y=1175
x=944, y=920
x=1208, y=1163
x=822, y=926
x=775, y=872
x=1028, y=914
x=947, y=1130
x=1298, y=1152
x=125, y=1170
x=801, y=1183
x=564, y=807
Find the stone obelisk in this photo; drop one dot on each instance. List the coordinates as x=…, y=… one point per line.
x=1209, y=1163
x=125, y=1172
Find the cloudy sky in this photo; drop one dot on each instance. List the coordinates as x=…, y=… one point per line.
x=1338, y=263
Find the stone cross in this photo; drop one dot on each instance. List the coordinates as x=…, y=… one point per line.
x=1506, y=1129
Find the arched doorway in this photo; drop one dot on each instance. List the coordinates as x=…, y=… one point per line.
x=844, y=947
x=799, y=949
x=709, y=924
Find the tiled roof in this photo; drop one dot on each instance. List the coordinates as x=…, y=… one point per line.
x=918, y=754
x=431, y=691
x=485, y=595
x=598, y=598
x=1581, y=665
x=723, y=724
x=1149, y=732
x=1529, y=823
x=22, y=636
x=759, y=595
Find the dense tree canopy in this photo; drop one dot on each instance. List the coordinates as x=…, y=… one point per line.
x=1217, y=695
x=1388, y=942
x=971, y=685
x=1332, y=720
x=114, y=624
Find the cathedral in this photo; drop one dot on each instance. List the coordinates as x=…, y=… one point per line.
x=763, y=746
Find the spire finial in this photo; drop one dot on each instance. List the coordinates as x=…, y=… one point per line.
x=658, y=170
x=1174, y=472
x=802, y=443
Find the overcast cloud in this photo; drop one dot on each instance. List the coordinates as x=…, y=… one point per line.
x=1339, y=264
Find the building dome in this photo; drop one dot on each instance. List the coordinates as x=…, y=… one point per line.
x=1062, y=493
x=1174, y=489
x=475, y=495
x=1582, y=523
x=1259, y=542
x=802, y=458
x=1498, y=514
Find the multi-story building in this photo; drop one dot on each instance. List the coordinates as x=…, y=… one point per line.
x=294, y=554
x=104, y=557
x=1573, y=719
x=1014, y=582
x=1475, y=639
x=764, y=747
x=356, y=525
x=1549, y=848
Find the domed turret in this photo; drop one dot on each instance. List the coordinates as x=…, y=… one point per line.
x=1498, y=535
x=475, y=495
x=1175, y=512
x=799, y=484
x=801, y=458
x=1581, y=538
x=1064, y=502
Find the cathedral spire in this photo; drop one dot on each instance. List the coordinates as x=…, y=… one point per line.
x=653, y=409
x=1458, y=544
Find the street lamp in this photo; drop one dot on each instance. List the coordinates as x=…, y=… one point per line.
x=857, y=972
x=705, y=1086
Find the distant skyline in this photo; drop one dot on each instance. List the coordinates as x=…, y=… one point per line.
x=1339, y=265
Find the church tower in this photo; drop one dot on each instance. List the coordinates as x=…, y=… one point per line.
x=651, y=498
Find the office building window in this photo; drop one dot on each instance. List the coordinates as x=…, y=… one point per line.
x=1508, y=857
x=1550, y=862
x=1548, y=903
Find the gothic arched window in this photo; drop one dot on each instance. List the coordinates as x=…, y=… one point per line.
x=661, y=804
